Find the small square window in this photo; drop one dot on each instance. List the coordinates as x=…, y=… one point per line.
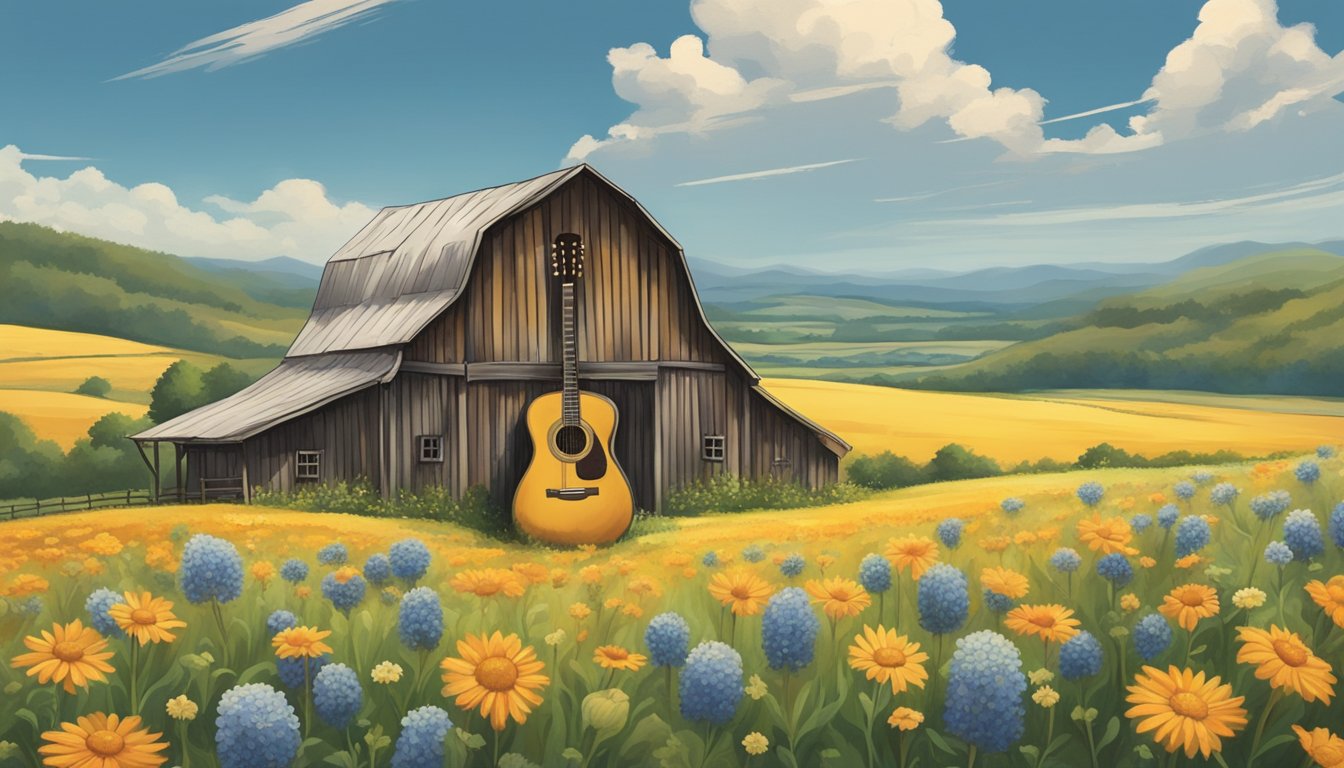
x=431, y=448
x=712, y=448
x=308, y=465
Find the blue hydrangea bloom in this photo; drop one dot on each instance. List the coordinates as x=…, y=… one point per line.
x=711, y=683
x=1192, y=535
x=343, y=596
x=1302, y=534
x=334, y=553
x=1116, y=569
x=32, y=606
x=1090, y=493
x=210, y=570
x=377, y=569
x=337, y=696
x=290, y=670
x=420, y=744
x=410, y=559
x=1201, y=476
x=1272, y=504
x=668, y=638
x=1012, y=505
x=1224, y=493
x=1278, y=553
x=420, y=619
x=789, y=629
x=256, y=728
x=279, y=621
x=1337, y=525
x=1080, y=656
x=1167, y=515
x=875, y=573
x=943, y=600
x=985, y=686
x=1066, y=560
x=998, y=603
x=710, y=559
x=1152, y=636
x=97, y=604
x=792, y=565
x=1307, y=471
x=753, y=553
x=1325, y=452
x=1185, y=490
x=294, y=570
x=949, y=532
x=1141, y=522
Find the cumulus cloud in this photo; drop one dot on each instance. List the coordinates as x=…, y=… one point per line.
x=293, y=218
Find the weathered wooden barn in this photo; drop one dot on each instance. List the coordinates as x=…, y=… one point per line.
x=437, y=323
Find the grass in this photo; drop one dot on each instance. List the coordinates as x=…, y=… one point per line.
x=1014, y=428
x=61, y=416
x=822, y=714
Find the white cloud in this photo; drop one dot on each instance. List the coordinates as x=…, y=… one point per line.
x=31, y=156
x=764, y=174
x=257, y=38
x=293, y=218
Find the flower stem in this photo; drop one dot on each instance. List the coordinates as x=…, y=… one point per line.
x=307, y=697
x=1274, y=697
x=186, y=745
x=1049, y=738
x=868, y=732
x=135, y=675
x=970, y=757
x=223, y=634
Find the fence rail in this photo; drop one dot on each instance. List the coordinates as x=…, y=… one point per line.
x=75, y=503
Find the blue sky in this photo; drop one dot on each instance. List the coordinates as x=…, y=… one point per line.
x=855, y=135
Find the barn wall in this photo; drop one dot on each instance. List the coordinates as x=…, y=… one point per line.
x=346, y=431
x=424, y=404
x=690, y=405
x=784, y=449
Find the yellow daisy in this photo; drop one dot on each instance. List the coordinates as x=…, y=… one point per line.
x=915, y=553
x=616, y=657
x=1004, y=581
x=70, y=654
x=885, y=656
x=105, y=741
x=839, y=597
x=1106, y=536
x=146, y=618
x=298, y=642
x=1189, y=603
x=905, y=718
x=1329, y=596
x=488, y=582
x=1051, y=623
x=743, y=591
x=498, y=675
x=1281, y=657
x=1323, y=747
x=1186, y=710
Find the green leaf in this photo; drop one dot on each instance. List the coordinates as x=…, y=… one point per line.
x=867, y=705
x=1112, y=730
x=1029, y=750
x=472, y=740
x=939, y=741
x=786, y=757
x=1200, y=649
x=647, y=733
x=571, y=753
x=29, y=717
x=366, y=620
x=1282, y=738
x=830, y=753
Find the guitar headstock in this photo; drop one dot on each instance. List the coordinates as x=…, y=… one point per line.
x=567, y=257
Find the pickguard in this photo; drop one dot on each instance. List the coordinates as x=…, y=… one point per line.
x=592, y=466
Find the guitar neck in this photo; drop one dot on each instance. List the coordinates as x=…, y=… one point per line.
x=569, y=400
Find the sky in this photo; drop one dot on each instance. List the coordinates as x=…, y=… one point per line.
x=871, y=135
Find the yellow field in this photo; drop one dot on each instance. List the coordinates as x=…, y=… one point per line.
x=61, y=416
x=1012, y=428
x=21, y=342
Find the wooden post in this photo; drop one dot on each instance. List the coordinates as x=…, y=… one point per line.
x=658, y=416
x=462, y=447
x=157, y=484
x=177, y=466
x=247, y=490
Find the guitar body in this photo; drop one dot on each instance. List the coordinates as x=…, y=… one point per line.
x=573, y=491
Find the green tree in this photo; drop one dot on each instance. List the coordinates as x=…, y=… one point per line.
x=885, y=470
x=94, y=386
x=178, y=390
x=955, y=462
x=221, y=381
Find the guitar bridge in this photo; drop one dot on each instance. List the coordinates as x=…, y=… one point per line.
x=570, y=494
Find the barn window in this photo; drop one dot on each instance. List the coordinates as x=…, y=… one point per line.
x=431, y=447
x=712, y=447
x=308, y=465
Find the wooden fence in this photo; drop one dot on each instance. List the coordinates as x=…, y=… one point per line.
x=76, y=503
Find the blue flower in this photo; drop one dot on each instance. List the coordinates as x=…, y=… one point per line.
x=1141, y=522
x=984, y=692
x=1272, y=504
x=1192, y=535
x=710, y=559
x=1185, y=490
x=711, y=683
x=211, y=570
x=1307, y=471
x=1066, y=560
x=1278, y=553
x=875, y=573
x=949, y=531
x=1302, y=534
x=420, y=744
x=1166, y=516
x=668, y=637
x=753, y=553
x=337, y=696
x=279, y=621
x=1152, y=636
x=789, y=629
x=334, y=553
x=294, y=570
x=256, y=728
x=1012, y=505
x=1337, y=525
x=998, y=603
x=1325, y=452
x=377, y=569
x=1224, y=493
x=1201, y=476
x=943, y=600
x=32, y=606
x=792, y=565
x=344, y=595
x=1116, y=569
x=410, y=559
x=1090, y=493
x=97, y=604
x=420, y=619
x=290, y=670
x=1080, y=656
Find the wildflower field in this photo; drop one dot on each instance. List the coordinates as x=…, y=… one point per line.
x=1115, y=617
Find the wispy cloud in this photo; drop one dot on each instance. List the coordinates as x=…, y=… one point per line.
x=937, y=193
x=257, y=38
x=764, y=174
x=31, y=156
x=835, y=92
x=1097, y=111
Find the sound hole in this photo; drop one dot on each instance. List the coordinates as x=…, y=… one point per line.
x=571, y=440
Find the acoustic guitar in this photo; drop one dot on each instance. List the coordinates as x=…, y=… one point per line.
x=573, y=491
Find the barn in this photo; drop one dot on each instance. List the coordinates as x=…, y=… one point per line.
x=436, y=325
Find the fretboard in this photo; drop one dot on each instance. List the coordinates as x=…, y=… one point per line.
x=569, y=399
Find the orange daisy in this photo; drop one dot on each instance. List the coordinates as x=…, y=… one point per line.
x=1106, y=536
x=498, y=674
x=1051, y=623
x=1189, y=603
x=1186, y=710
x=885, y=656
x=146, y=618
x=105, y=741
x=1329, y=596
x=916, y=553
x=1323, y=747
x=1281, y=657
x=298, y=642
x=616, y=657
x=1004, y=581
x=488, y=582
x=839, y=597
x=70, y=654
x=743, y=591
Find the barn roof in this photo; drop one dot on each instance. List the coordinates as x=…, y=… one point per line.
x=296, y=386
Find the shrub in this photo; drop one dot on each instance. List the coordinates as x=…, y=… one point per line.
x=885, y=470
x=474, y=510
x=729, y=493
x=94, y=386
x=955, y=462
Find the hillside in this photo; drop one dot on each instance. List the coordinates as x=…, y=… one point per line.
x=56, y=280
